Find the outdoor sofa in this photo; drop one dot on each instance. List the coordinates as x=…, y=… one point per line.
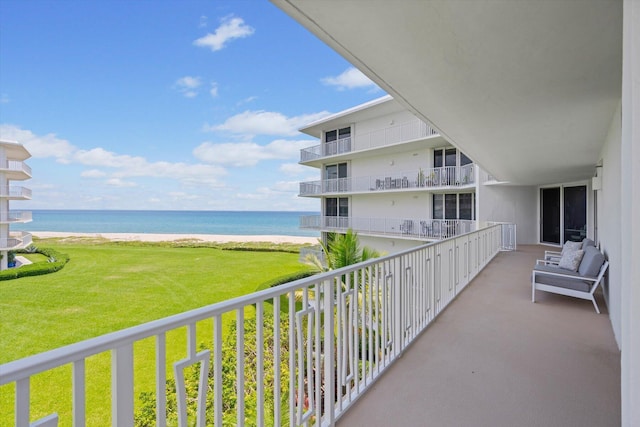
x=576, y=273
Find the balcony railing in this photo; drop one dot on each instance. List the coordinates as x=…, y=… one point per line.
x=404, y=132
x=402, y=227
x=338, y=333
x=16, y=241
x=17, y=166
x=8, y=217
x=12, y=191
x=444, y=177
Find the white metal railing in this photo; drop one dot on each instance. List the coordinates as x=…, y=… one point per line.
x=509, y=235
x=15, y=191
x=15, y=216
x=338, y=332
x=17, y=166
x=444, y=177
x=408, y=131
x=404, y=227
x=16, y=241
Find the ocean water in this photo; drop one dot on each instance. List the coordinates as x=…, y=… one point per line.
x=162, y=222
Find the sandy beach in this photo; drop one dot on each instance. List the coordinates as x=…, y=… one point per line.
x=148, y=237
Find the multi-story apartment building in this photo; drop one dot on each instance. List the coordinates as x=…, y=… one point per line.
x=12, y=168
x=392, y=178
x=389, y=176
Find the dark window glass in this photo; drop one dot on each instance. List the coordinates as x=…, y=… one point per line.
x=331, y=207
x=344, y=207
x=450, y=157
x=331, y=171
x=575, y=213
x=450, y=206
x=437, y=206
x=330, y=136
x=550, y=215
x=464, y=160
x=344, y=133
x=342, y=170
x=437, y=159
x=466, y=206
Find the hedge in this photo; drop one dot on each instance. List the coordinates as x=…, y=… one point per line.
x=56, y=261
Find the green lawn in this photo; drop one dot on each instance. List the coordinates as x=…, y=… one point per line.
x=110, y=286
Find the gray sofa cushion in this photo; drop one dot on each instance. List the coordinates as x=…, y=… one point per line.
x=591, y=262
x=556, y=269
x=587, y=242
x=561, y=282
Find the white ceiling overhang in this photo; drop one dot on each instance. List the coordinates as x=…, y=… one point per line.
x=528, y=89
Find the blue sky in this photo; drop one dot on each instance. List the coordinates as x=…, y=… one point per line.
x=166, y=104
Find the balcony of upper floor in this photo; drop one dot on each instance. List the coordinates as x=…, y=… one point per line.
x=15, y=170
x=388, y=139
x=14, y=192
x=433, y=179
x=11, y=217
x=16, y=241
x=403, y=228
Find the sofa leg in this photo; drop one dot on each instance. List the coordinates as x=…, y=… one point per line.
x=593, y=300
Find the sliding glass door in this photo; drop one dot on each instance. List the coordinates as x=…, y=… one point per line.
x=563, y=214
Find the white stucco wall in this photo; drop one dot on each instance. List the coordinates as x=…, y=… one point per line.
x=609, y=220
x=392, y=205
x=504, y=203
x=388, y=246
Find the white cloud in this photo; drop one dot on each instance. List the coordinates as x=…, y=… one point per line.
x=214, y=89
x=203, y=21
x=246, y=100
x=93, y=173
x=39, y=146
x=188, y=86
x=122, y=165
x=351, y=78
x=117, y=182
x=247, y=153
x=293, y=168
x=4, y=98
x=229, y=29
x=266, y=123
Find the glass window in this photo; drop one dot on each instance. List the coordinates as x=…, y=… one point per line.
x=342, y=170
x=466, y=206
x=343, y=207
x=344, y=133
x=438, y=159
x=450, y=158
x=438, y=212
x=464, y=160
x=331, y=207
x=331, y=171
x=330, y=136
x=450, y=206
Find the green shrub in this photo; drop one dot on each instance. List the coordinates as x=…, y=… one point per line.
x=146, y=414
x=286, y=279
x=55, y=261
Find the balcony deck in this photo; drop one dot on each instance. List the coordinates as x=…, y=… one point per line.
x=493, y=358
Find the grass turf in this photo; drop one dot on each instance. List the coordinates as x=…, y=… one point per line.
x=111, y=286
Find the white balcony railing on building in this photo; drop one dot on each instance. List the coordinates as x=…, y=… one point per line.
x=444, y=177
x=509, y=235
x=337, y=333
x=403, y=227
x=7, y=217
x=15, y=191
x=408, y=131
x=17, y=166
x=16, y=241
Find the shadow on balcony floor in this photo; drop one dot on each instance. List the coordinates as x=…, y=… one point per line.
x=494, y=358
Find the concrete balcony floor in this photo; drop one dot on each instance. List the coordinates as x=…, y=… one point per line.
x=494, y=358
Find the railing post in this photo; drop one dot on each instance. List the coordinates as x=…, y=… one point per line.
x=122, y=386
x=329, y=355
x=398, y=281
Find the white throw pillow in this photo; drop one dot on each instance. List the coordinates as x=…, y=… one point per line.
x=571, y=246
x=570, y=259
